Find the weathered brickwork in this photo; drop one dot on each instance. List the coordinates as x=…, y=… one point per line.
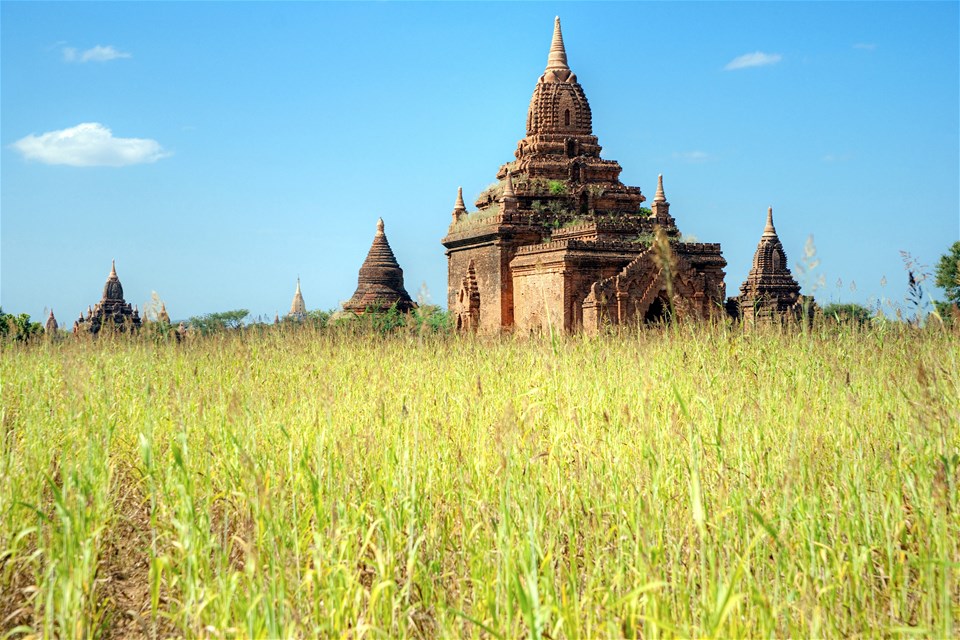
x=770, y=292
x=380, y=282
x=552, y=243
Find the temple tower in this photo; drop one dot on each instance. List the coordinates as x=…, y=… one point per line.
x=380, y=282
x=770, y=290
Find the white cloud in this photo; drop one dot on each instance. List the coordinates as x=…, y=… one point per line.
x=692, y=156
x=88, y=145
x=98, y=53
x=866, y=46
x=755, y=59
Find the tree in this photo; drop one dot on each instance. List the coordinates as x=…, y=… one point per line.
x=219, y=321
x=948, y=273
x=847, y=313
x=18, y=327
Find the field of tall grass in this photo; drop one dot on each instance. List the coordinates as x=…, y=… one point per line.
x=693, y=480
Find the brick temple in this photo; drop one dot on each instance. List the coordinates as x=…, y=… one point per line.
x=560, y=241
x=111, y=312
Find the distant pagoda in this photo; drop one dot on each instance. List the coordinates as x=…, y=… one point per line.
x=298, y=309
x=112, y=310
x=51, y=326
x=380, y=283
x=770, y=290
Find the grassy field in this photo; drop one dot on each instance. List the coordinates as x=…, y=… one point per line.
x=687, y=481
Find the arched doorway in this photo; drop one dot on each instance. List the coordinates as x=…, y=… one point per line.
x=659, y=310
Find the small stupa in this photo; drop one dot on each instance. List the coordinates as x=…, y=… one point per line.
x=380, y=283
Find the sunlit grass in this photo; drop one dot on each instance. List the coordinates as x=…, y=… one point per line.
x=688, y=481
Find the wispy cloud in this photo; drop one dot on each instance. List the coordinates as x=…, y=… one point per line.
x=866, y=46
x=837, y=157
x=89, y=145
x=692, y=156
x=98, y=53
x=755, y=59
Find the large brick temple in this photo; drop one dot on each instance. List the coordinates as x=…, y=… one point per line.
x=560, y=241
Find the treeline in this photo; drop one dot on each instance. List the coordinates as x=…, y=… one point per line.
x=430, y=318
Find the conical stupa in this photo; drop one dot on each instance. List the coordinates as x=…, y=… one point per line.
x=380, y=284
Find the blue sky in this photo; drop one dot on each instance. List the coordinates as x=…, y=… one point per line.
x=231, y=147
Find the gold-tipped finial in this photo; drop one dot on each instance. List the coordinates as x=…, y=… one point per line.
x=459, y=205
x=557, y=59
x=508, y=188
x=660, y=196
x=769, y=231
x=379, y=226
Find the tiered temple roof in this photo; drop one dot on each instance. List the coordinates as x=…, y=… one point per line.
x=112, y=310
x=559, y=147
x=380, y=283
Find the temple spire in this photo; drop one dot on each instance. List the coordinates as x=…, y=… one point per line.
x=459, y=208
x=379, y=226
x=557, y=60
x=51, y=326
x=660, y=196
x=508, y=191
x=113, y=269
x=298, y=308
x=769, y=231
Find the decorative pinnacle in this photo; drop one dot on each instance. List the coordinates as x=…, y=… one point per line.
x=113, y=269
x=508, y=188
x=459, y=206
x=769, y=231
x=379, y=226
x=298, y=284
x=558, y=55
x=660, y=197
